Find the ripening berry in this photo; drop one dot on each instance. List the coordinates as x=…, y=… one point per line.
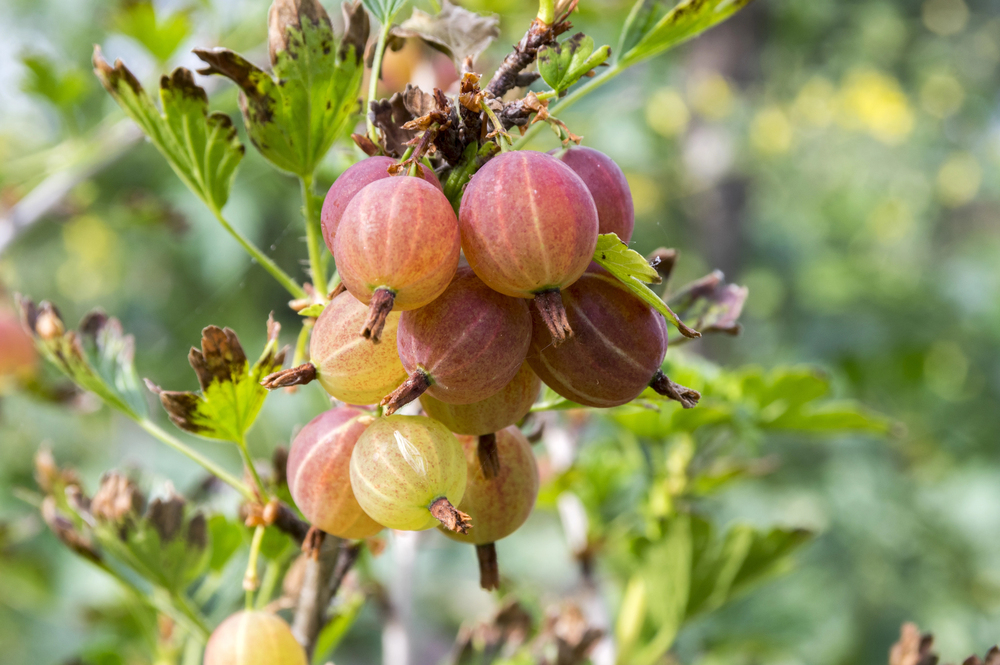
x=350, y=183
x=618, y=344
x=492, y=414
x=408, y=473
x=529, y=228
x=350, y=367
x=397, y=247
x=608, y=186
x=253, y=638
x=319, y=473
x=463, y=347
x=498, y=504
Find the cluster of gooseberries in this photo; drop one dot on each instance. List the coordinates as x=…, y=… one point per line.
x=413, y=321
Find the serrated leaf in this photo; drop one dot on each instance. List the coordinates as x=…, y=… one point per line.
x=231, y=395
x=562, y=65
x=313, y=310
x=454, y=30
x=384, y=10
x=294, y=117
x=201, y=147
x=686, y=20
x=632, y=270
x=161, y=37
x=99, y=357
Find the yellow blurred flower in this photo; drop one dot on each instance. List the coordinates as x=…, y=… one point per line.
x=93, y=265
x=891, y=221
x=666, y=112
x=710, y=95
x=958, y=179
x=875, y=102
x=945, y=17
x=816, y=102
x=942, y=95
x=771, y=132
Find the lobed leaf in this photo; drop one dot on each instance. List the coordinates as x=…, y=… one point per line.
x=294, y=117
x=98, y=357
x=686, y=20
x=455, y=31
x=562, y=65
x=202, y=148
x=231, y=395
x=632, y=270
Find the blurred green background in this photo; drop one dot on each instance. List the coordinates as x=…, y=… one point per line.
x=838, y=158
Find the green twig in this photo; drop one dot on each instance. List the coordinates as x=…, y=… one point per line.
x=569, y=100
x=206, y=463
x=383, y=36
x=547, y=11
x=248, y=463
x=314, y=236
x=260, y=257
x=250, y=579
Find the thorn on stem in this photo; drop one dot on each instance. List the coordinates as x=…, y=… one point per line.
x=312, y=543
x=451, y=517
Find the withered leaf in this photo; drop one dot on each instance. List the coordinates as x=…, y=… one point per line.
x=231, y=395
x=454, y=30
x=712, y=304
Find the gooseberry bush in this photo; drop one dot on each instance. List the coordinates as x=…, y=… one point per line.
x=468, y=301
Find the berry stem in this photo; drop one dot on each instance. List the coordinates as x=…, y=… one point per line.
x=262, y=492
x=381, y=305
x=251, y=581
x=206, y=463
x=550, y=306
x=383, y=36
x=260, y=257
x=451, y=517
x=314, y=235
x=489, y=456
x=294, y=376
x=662, y=384
x=503, y=138
x=570, y=99
x=489, y=570
x=411, y=389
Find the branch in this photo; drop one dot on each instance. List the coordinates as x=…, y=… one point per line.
x=316, y=592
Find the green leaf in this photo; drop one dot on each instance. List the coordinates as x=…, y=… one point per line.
x=667, y=573
x=231, y=395
x=99, y=357
x=160, y=37
x=831, y=417
x=61, y=88
x=201, y=147
x=725, y=567
x=632, y=270
x=335, y=630
x=684, y=21
x=562, y=65
x=384, y=10
x=640, y=20
x=225, y=537
x=294, y=117
x=313, y=310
